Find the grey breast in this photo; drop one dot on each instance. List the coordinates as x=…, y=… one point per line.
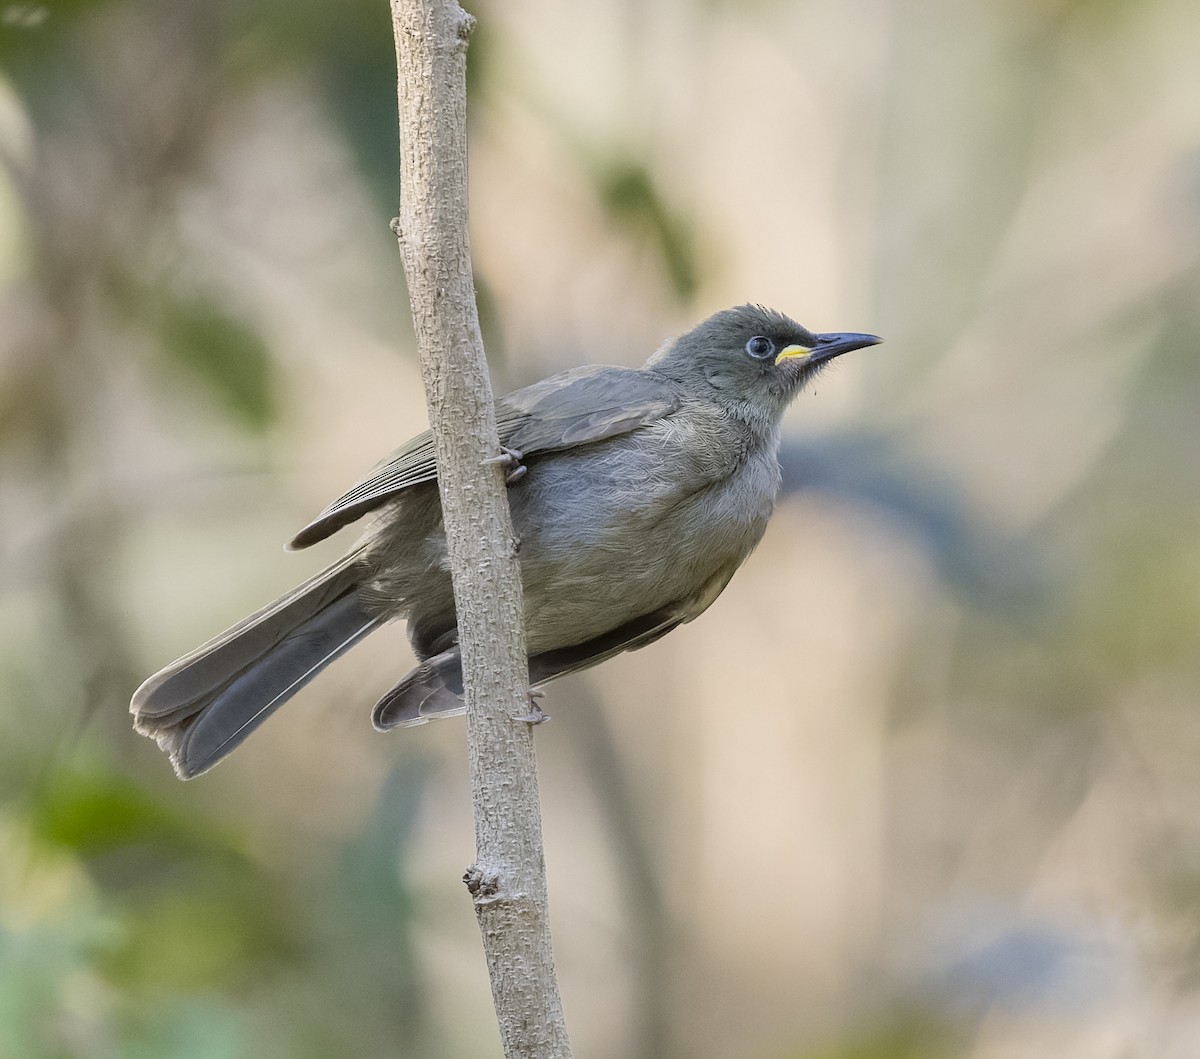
x=620, y=529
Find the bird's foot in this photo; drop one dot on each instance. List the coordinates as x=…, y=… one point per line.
x=512, y=461
x=536, y=714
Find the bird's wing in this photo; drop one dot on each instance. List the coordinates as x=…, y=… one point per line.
x=577, y=407
x=435, y=687
x=631, y=635
x=634, y=634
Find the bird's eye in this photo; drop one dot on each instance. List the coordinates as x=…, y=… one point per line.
x=760, y=348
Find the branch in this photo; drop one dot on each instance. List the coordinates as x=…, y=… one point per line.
x=507, y=882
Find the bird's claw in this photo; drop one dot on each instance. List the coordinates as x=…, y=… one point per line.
x=536, y=714
x=512, y=460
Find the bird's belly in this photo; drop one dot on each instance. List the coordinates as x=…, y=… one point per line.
x=607, y=540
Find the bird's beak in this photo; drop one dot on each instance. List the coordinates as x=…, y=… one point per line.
x=828, y=346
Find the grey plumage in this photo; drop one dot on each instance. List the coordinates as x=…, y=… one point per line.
x=646, y=489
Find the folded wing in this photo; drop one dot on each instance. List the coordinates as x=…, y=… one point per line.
x=578, y=407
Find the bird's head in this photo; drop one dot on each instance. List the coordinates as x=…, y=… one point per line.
x=751, y=359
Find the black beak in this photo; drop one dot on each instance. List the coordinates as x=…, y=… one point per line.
x=836, y=343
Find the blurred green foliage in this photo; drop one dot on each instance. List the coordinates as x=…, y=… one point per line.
x=229, y=358
x=632, y=197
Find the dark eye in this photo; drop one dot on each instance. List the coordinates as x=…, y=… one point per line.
x=760, y=348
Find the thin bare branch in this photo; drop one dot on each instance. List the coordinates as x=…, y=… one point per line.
x=507, y=882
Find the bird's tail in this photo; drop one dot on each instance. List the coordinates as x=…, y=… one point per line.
x=203, y=705
x=433, y=689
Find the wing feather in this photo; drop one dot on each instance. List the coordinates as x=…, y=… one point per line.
x=577, y=407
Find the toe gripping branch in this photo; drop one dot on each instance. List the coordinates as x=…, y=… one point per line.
x=536, y=714
x=512, y=462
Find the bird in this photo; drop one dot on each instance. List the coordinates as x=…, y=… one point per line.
x=636, y=493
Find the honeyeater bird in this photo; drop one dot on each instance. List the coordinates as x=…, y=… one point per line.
x=635, y=494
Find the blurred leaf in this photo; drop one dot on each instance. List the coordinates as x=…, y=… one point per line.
x=34, y=965
x=33, y=37
x=1163, y=430
x=347, y=49
x=51, y=998
x=629, y=192
x=190, y=1029
x=1140, y=612
x=907, y=1036
x=360, y=76
x=373, y=913
x=229, y=358
x=195, y=911
x=97, y=813
x=216, y=930
x=373, y=862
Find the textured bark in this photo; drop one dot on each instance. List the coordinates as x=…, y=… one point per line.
x=508, y=880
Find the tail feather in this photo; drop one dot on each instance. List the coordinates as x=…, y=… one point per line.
x=209, y=666
x=205, y=704
x=433, y=689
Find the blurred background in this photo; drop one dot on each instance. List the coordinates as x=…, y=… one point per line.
x=922, y=783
